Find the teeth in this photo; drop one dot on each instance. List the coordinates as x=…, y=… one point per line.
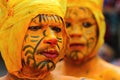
x=49, y=50
x=46, y=50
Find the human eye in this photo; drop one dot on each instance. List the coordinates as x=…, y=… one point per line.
x=34, y=28
x=56, y=28
x=68, y=24
x=86, y=24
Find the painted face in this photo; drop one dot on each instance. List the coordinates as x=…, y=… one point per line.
x=43, y=42
x=82, y=28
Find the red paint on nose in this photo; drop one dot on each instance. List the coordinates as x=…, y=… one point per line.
x=51, y=41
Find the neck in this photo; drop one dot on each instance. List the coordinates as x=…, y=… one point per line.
x=82, y=67
x=28, y=73
x=13, y=77
x=81, y=62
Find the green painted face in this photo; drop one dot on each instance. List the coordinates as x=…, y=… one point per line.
x=82, y=29
x=43, y=42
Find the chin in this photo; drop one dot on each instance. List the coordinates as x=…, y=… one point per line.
x=46, y=65
x=77, y=61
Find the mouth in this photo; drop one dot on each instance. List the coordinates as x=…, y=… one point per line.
x=50, y=53
x=77, y=45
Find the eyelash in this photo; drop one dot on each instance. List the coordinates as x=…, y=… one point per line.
x=57, y=29
x=86, y=24
x=35, y=28
x=68, y=24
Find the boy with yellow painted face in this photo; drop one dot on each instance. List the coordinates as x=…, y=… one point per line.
x=86, y=27
x=33, y=39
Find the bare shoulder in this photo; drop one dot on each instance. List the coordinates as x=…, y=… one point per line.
x=3, y=78
x=73, y=78
x=62, y=77
x=110, y=67
x=111, y=72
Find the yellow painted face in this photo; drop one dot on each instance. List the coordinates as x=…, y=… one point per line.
x=43, y=42
x=82, y=29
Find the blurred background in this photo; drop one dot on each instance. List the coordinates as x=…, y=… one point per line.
x=110, y=51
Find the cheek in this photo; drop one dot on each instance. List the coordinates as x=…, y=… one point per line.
x=69, y=30
x=90, y=33
x=32, y=40
x=33, y=36
x=61, y=41
x=91, y=36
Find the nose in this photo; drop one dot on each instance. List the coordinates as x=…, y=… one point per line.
x=75, y=35
x=76, y=32
x=50, y=38
x=52, y=42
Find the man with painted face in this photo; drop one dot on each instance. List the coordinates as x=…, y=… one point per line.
x=33, y=39
x=86, y=27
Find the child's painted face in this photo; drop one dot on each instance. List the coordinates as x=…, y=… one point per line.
x=82, y=29
x=43, y=42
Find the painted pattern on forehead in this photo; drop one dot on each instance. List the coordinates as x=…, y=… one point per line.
x=44, y=18
x=87, y=11
x=78, y=12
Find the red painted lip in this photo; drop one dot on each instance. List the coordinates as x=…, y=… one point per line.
x=50, y=53
x=77, y=45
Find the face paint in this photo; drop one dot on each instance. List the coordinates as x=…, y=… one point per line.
x=43, y=42
x=82, y=28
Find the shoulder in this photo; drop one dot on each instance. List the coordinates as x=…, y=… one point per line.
x=71, y=78
x=110, y=71
x=110, y=67
x=3, y=77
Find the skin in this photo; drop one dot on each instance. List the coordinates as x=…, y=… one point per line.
x=83, y=31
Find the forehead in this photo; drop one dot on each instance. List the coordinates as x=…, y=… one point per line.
x=78, y=12
x=46, y=18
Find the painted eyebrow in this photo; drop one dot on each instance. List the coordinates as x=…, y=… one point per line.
x=81, y=8
x=85, y=9
x=35, y=36
x=45, y=18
